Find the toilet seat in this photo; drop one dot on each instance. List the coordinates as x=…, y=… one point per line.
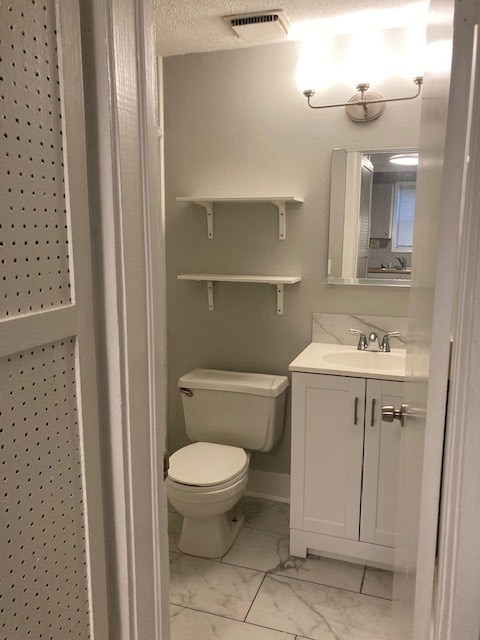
x=207, y=494
x=206, y=467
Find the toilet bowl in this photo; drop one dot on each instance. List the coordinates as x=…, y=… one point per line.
x=227, y=413
x=204, y=483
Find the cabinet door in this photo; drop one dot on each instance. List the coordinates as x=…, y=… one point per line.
x=380, y=474
x=381, y=216
x=327, y=453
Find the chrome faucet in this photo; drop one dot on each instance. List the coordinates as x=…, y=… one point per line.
x=385, y=344
x=364, y=343
x=372, y=339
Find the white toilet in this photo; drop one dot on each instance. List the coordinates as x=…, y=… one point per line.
x=227, y=414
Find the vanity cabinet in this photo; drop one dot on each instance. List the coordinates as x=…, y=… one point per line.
x=344, y=467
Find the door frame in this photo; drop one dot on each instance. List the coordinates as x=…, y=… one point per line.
x=129, y=253
x=452, y=226
x=456, y=608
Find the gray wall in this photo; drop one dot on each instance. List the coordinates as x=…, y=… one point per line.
x=235, y=124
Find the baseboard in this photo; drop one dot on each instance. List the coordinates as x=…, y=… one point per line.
x=373, y=555
x=268, y=485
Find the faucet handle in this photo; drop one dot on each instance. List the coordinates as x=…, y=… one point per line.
x=385, y=345
x=362, y=340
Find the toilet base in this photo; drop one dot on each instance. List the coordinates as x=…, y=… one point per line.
x=212, y=537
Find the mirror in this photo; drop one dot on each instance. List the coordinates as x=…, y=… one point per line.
x=372, y=208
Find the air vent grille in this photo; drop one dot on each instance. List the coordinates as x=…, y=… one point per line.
x=258, y=28
x=241, y=22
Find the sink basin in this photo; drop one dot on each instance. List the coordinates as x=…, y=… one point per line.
x=362, y=360
x=346, y=360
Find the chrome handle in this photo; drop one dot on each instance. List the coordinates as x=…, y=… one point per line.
x=389, y=413
x=355, y=412
x=385, y=345
x=186, y=392
x=362, y=340
x=372, y=420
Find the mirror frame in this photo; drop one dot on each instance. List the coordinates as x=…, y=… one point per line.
x=344, y=197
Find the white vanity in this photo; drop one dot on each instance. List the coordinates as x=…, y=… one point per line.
x=344, y=457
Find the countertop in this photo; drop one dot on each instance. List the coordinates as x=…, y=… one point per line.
x=404, y=271
x=332, y=359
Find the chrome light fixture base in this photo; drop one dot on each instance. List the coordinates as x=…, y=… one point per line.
x=364, y=106
x=359, y=109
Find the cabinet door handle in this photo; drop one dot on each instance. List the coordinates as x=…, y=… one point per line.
x=372, y=421
x=355, y=412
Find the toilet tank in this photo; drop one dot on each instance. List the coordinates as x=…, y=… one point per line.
x=228, y=407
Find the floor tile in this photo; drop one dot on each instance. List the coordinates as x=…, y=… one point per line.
x=213, y=587
x=175, y=521
x=261, y=550
x=378, y=583
x=266, y=515
x=319, y=613
x=332, y=573
x=187, y=624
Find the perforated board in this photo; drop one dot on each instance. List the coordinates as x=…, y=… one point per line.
x=34, y=247
x=44, y=586
x=43, y=569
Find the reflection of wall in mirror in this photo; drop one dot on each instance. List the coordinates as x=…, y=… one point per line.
x=364, y=217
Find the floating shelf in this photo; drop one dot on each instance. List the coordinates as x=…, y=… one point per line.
x=277, y=281
x=278, y=201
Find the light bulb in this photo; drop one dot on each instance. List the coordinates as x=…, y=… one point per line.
x=366, y=60
x=308, y=74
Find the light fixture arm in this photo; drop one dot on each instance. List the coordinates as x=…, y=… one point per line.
x=360, y=100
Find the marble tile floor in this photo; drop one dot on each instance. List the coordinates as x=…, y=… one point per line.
x=258, y=592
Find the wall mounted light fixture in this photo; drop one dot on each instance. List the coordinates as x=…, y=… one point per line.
x=364, y=106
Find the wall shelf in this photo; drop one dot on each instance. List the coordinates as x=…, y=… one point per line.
x=277, y=281
x=278, y=201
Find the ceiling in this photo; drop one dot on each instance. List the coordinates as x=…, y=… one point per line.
x=382, y=164
x=191, y=26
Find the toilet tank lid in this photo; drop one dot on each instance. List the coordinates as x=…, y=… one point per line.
x=259, y=384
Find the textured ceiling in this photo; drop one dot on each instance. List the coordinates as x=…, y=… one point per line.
x=190, y=26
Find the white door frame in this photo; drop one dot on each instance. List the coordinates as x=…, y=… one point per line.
x=446, y=283
x=457, y=610
x=456, y=313
x=124, y=172
x=80, y=231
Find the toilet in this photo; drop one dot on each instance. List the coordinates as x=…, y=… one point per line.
x=228, y=414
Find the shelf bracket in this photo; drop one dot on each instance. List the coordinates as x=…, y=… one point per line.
x=208, y=206
x=282, y=218
x=210, y=295
x=279, y=299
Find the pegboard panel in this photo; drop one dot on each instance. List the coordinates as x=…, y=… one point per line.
x=33, y=222
x=43, y=572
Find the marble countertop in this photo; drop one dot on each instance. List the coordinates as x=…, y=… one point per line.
x=333, y=359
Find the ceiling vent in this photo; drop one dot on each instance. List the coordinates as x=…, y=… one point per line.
x=258, y=28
